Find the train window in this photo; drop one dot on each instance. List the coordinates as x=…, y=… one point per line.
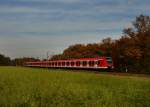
x=68, y=63
x=52, y=63
x=108, y=57
x=55, y=63
x=59, y=63
x=72, y=63
x=98, y=62
x=78, y=63
x=63, y=63
x=91, y=63
x=109, y=60
x=84, y=63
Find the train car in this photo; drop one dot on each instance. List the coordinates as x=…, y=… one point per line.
x=83, y=63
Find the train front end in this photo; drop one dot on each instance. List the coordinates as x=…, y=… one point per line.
x=109, y=63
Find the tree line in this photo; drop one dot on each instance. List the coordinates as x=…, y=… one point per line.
x=6, y=61
x=131, y=52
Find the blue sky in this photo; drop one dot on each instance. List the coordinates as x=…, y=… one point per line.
x=33, y=27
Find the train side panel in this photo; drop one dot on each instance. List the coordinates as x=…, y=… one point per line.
x=93, y=63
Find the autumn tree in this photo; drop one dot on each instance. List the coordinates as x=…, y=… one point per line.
x=139, y=46
x=106, y=46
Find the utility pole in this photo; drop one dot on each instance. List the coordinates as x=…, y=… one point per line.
x=47, y=55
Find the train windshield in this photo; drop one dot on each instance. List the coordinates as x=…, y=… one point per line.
x=109, y=60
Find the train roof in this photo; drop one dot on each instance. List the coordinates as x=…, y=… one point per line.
x=80, y=59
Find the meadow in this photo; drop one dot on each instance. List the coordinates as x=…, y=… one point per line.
x=31, y=87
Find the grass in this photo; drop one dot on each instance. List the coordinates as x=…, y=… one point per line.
x=28, y=87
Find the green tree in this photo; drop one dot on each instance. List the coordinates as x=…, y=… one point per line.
x=4, y=61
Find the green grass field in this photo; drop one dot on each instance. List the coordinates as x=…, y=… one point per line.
x=28, y=87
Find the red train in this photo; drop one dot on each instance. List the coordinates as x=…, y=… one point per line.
x=83, y=63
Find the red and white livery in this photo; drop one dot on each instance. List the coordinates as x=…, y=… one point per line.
x=85, y=63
